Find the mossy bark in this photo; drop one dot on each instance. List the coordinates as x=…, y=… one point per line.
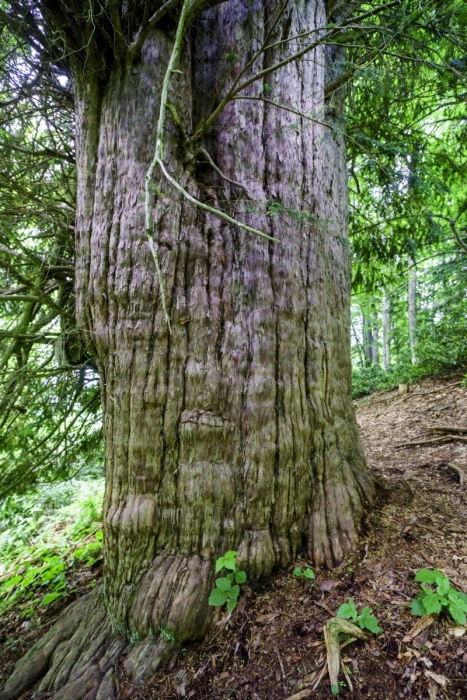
x=235, y=431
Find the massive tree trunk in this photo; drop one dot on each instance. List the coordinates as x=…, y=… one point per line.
x=236, y=430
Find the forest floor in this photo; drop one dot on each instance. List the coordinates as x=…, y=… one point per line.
x=273, y=642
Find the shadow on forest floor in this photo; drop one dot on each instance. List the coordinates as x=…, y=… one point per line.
x=275, y=639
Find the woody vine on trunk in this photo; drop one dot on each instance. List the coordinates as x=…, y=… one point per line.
x=212, y=285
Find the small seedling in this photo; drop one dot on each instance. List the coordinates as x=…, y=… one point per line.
x=304, y=573
x=227, y=587
x=444, y=598
x=366, y=621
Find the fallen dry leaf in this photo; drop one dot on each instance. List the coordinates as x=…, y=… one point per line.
x=437, y=678
x=419, y=626
x=301, y=694
x=327, y=585
x=269, y=616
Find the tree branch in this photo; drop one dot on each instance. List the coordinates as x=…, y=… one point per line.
x=204, y=152
x=152, y=22
x=452, y=224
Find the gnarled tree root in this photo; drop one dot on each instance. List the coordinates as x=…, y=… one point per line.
x=74, y=660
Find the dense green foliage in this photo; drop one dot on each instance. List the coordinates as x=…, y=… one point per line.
x=407, y=162
x=49, y=398
x=441, y=327
x=44, y=535
x=439, y=596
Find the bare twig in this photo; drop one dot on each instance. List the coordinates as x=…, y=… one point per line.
x=346, y=675
x=443, y=428
x=300, y=695
x=441, y=438
x=452, y=224
x=324, y=606
x=159, y=151
x=204, y=152
x=212, y=210
x=287, y=109
x=426, y=393
x=281, y=663
x=431, y=529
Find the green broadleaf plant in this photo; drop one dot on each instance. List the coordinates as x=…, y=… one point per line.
x=304, y=573
x=366, y=621
x=442, y=598
x=227, y=587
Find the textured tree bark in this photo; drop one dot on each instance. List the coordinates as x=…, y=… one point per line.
x=235, y=431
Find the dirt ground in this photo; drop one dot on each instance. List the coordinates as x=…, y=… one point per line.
x=273, y=642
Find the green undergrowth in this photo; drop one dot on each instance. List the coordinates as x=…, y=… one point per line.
x=367, y=380
x=44, y=536
x=439, y=596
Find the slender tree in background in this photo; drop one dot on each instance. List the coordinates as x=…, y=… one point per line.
x=212, y=292
x=367, y=335
x=374, y=333
x=412, y=309
x=386, y=324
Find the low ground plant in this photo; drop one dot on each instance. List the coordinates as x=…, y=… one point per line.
x=43, y=535
x=304, y=573
x=365, y=620
x=228, y=585
x=439, y=596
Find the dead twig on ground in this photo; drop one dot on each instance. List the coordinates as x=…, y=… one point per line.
x=300, y=695
x=425, y=393
x=332, y=629
x=445, y=429
x=431, y=529
x=441, y=438
x=281, y=663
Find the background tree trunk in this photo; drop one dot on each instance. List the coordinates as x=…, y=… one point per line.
x=386, y=321
x=367, y=337
x=235, y=431
x=412, y=309
x=358, y=344
x=374, y=334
